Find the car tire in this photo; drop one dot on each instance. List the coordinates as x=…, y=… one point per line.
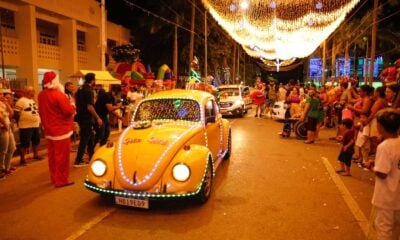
x=206, y=185
x=229, y=150
x=241, y=112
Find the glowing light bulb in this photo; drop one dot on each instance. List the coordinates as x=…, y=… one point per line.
x=244, y=5
x=232, y=7
x=272, y=5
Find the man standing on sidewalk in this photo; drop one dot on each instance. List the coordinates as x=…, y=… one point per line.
x=27, y=114
x=57, y=115
x=86, y=117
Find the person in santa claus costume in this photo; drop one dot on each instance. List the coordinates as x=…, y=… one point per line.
x=57, y=114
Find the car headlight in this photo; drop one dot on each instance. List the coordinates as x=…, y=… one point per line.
x=181, y=172
x=238, y=102
x=98, y=167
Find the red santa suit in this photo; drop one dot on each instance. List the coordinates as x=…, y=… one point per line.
x=57, y=114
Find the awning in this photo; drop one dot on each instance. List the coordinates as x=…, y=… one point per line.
x=102, y=77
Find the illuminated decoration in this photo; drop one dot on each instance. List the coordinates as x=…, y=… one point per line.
x=272, y=63
x=124, y=193
x=166, y=110
x=121, y=162
x=279, y=29
x=153, y=170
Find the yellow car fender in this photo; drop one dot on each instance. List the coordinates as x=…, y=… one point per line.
x=105, y=154
x=196, y=158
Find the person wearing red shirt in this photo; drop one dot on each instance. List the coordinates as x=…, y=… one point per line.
x=258, y=97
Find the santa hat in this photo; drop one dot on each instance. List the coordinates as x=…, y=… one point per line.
x=50, y=80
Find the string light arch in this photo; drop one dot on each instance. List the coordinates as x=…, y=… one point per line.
x=279, y=29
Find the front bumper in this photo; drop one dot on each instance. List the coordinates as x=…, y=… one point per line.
x=137, y=194
x=232, y=110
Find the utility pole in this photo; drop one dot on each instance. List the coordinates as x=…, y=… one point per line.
x=103, y=43
x=191, y=49
x=234, y=62
x=324, y=63
x=2, y=48
x=175, y=57
x=205, y=47
x=373, y=41
x=366, y=61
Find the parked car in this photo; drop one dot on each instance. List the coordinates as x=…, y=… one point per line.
x=234, y=99
x=278, y=110
x=172, y=149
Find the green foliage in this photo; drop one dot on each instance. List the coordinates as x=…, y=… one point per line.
x=125, y=53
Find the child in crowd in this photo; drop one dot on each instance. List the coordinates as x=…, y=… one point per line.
x=362, y=144
x=386, y=197
x=347, y=150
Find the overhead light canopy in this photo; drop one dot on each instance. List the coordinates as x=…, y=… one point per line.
x=279, y=29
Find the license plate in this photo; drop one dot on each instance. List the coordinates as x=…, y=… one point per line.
x=132, y=202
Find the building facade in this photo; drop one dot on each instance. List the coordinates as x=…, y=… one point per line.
x=60, y=35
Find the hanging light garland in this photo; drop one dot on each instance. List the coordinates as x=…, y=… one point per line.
x=279, y=29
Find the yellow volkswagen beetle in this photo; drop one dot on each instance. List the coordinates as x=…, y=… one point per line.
x=171, y=149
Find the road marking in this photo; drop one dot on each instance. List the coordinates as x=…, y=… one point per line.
x=351, y=203
x=90, y=224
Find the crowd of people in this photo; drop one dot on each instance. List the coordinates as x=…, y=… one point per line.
x=328, y=106
x=63, y=113
x=367, y=120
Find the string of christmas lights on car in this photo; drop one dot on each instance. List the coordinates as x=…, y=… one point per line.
x=279, y=29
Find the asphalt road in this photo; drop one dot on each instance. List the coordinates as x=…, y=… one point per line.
x=271, y=188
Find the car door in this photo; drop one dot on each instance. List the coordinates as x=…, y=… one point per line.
x=213, y=125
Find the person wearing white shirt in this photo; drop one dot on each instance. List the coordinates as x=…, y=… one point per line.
x=27, y=115
x=386, y=197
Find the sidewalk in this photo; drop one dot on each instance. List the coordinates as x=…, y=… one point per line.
x=43, y=150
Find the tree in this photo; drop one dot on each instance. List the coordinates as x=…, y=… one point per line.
x=125, y=53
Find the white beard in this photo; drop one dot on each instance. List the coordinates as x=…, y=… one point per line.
x=59, y=87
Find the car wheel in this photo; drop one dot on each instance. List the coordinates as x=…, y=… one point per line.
x=241, y=112
x=229, y=150
x=300, y=129
x=206, y=186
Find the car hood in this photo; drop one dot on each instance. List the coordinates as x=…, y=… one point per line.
x=144, y=154
x=230, y=99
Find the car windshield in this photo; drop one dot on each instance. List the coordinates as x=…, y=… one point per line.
x=229, y=92
x=160, y=109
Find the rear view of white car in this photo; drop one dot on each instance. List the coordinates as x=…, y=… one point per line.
x=278, y=110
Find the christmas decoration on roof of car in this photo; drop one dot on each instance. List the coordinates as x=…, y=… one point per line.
x=279, y=29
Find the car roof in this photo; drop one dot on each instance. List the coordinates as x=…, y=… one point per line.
x=180, y=93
